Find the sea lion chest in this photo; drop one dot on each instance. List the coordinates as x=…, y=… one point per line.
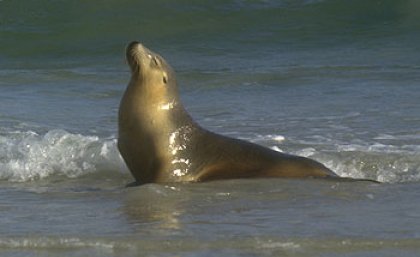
x=154, y=138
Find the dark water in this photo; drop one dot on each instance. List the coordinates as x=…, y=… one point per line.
x=337, y=81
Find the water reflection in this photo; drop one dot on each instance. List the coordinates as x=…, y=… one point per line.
x=159, y=206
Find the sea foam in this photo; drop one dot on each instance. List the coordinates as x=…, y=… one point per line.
x=390, y=163
x=26, y=156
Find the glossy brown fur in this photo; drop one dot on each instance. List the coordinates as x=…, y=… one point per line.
x=161, y=143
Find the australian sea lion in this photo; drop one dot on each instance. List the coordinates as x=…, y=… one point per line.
x=160, y=142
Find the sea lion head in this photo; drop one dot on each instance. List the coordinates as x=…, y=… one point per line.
x=153, y=76
x=147, y=65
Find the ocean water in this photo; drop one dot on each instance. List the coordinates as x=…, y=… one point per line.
x=337, y=81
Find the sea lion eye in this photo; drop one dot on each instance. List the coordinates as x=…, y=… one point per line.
x=165, y=79
x=155, y=61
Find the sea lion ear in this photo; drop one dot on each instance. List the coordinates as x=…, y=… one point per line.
x=165, y=78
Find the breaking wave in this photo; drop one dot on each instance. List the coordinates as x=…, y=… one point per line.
x=382, y=162
x=29, y=156
x=26, y=156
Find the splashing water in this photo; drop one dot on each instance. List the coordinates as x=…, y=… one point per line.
x=27, y=156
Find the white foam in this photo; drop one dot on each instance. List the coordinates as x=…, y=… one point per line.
x=26, y=156
x=385, y=137
x=357, y=159
x=51, y=242
x=282, y=245
x=279, y=138
x=306, y=152
x=383, y=164
x=276, y=148
x=360, y=159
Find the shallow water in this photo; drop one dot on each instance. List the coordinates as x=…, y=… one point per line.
x=239, y=218
x=336, y=81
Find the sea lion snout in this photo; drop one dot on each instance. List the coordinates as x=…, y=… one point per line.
x=134, y=53
x=136, y=48
x=138, y=55
x=133, y=44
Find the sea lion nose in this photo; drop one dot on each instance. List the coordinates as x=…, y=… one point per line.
x=140, y=47
x=133, y=44
x=137, y=46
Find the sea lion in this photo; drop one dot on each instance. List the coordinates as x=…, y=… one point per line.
x=160, y=142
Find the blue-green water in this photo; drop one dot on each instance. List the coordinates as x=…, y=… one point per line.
x=334, y=80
